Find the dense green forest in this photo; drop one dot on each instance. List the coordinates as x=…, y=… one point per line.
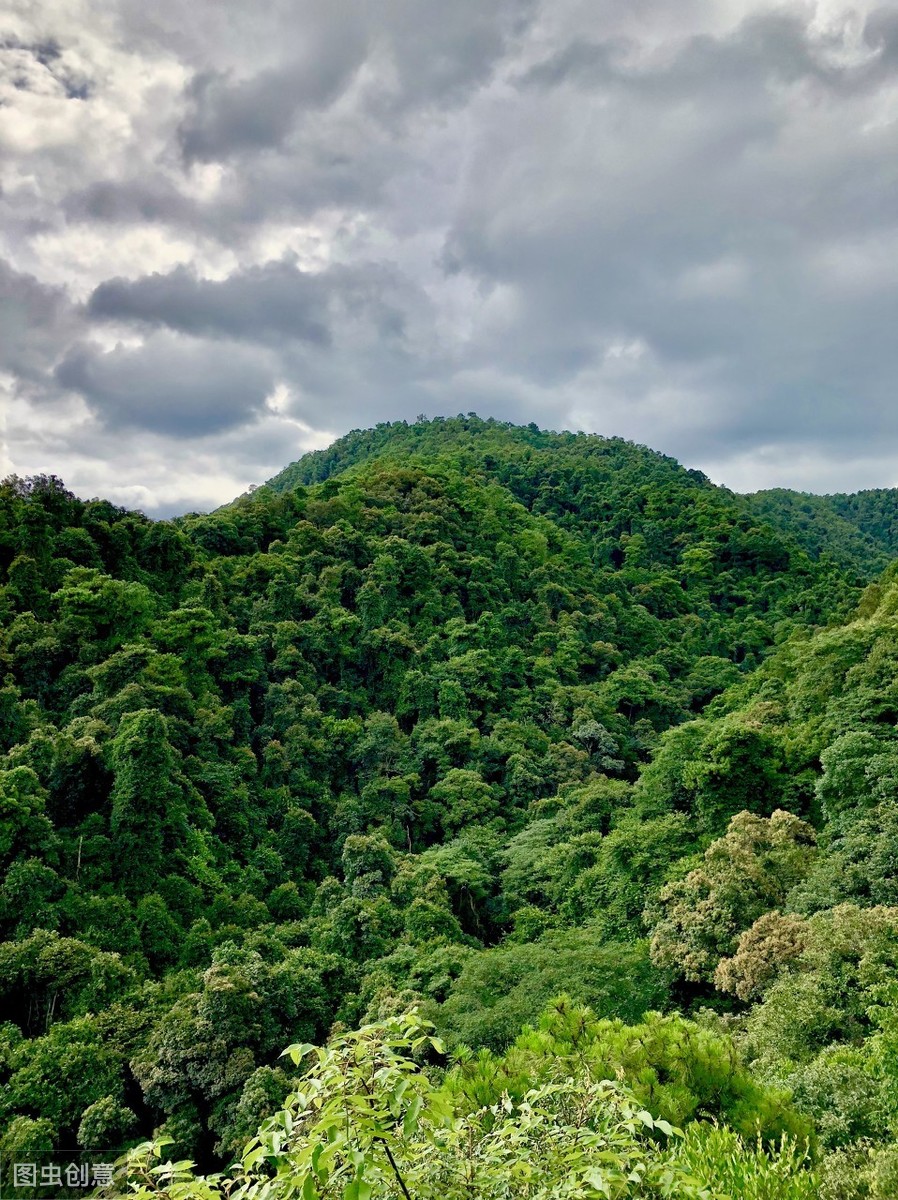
x=550, y=787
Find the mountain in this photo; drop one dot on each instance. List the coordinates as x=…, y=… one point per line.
x=469, y=716
x=859, y=531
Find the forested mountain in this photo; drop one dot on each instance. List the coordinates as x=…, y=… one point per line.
x=859, y=531
x=481, y=719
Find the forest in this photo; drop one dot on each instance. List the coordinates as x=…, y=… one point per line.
x=470, y=812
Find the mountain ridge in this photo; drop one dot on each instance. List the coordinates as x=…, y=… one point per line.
x=859, y=530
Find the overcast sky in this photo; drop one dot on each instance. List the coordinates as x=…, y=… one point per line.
x=231, y=232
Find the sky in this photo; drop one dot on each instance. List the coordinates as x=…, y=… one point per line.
x=230, y=233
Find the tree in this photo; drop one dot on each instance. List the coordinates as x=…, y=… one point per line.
x=747, y=872
x=441, y=724
x=100, y=613
x=464, y=799
x=24, y=828
x=503, y=988
x=774, y=940
x=823, y=1030
x=150, y=803
x=367, y=1123
x=682, y=1069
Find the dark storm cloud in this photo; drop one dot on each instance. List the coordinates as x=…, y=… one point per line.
x=271, y=302
x=274, y=304
x=690, y=217
x=773, y=47
x=289, y=138
x=226, y=115
x=169, y=385
x=427, y=53
x=440, y=53
x=36, y=323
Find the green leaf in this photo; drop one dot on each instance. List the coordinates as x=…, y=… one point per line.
x=298, y=1051
x=358, y=1189
x=316, y=1155
x=410, y=1120
x=255, y=1156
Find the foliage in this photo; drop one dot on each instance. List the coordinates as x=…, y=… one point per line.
x=501, y=989
x=679, y=1068
x=822, y=1029
x=744, y=874
x=457, y=713
x=749, y=1172
x=367, y=1121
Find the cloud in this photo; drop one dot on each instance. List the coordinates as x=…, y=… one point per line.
x=410, y=53
x=227, y=115
x=169, y=385
x=268, y=303
x=139, y=201
x=230, y=229
x=36, y=322
x=348, y=343
x=682, y=203
x=39, y=66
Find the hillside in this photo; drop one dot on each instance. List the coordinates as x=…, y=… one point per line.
x=463, y=715
x=859, y=531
